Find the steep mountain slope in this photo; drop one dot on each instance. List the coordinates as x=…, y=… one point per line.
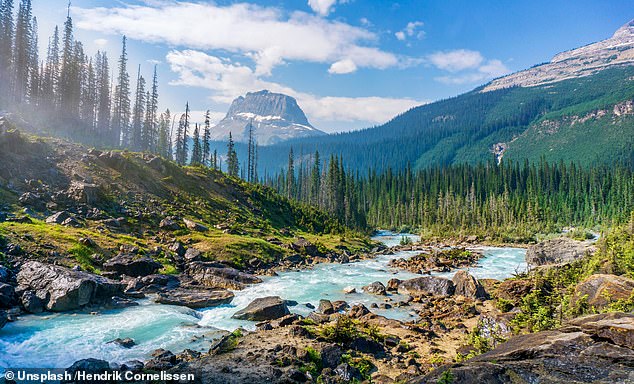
x=577, y=108
x=275, y=117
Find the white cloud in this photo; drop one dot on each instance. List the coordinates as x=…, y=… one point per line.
x=342, y=67
x=228, y=80
x=100, y=43
x=321, y=7
x=410, y=30
x=267, y=35
x=457, y=60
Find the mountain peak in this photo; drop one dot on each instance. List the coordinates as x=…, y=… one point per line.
x=276, y=117
x=583, y=61
x=627, y=30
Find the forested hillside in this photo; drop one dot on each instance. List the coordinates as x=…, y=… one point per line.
x=587, y=120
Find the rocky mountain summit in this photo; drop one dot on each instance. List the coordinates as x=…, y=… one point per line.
x=584, y=61
x=275, y=118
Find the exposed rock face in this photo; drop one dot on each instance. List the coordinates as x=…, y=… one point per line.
x=600, y=290
x=265, y=308
x=195, y=298
x=3, y=319
x=584, y=61
x=468, y=286
x=132, y=265
x=591, y=349
x=215, y=275
x=7, y=295
x=556, y=251
x=275, y=118
x=427, y=285
x=62, y=289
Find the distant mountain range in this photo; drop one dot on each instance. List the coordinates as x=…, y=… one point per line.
x=275, y=118
x=578, y=108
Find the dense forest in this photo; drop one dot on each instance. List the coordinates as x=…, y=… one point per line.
x=509, y=201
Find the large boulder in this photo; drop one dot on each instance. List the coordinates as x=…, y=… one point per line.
x=468, y=286
x=556, y=252
x=264, y=308
x=85, y=193
x=427, y=285
x=195, y=298
x=5, y=274
x=591, y=349
x=376, y=288
x=58, y=217
x=62, y=289
x=132, y=265
x=600, y=290
x=216, y=275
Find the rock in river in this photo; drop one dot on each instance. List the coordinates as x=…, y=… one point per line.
x=468, y=286
x=132, y=265
x=264, y=308
x=427, y=285
x=216, y=275
x=199, y=298
x=63, y=289
x=376, y=288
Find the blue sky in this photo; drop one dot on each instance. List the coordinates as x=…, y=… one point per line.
x=350, y=63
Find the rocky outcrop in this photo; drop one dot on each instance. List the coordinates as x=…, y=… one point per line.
x=195, y=298
x=7, y=295
x=214, y=275
x=556, y=252
x=132, y=265
x=265, y=308
x=591, y=349
x=427, y=285
x=468, y=286
x=598, y=291
x=194, y=226
x=62, y=289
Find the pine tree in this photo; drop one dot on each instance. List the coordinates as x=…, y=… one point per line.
x=103, y=95
x=163, y=146
x=50, y=82
x=22, y=51
x=290, y=175
x=6, y=46
x=66, y=71
x=232, y=158
x=206, y=138
x=251, y=154
x=150, y=125
x=196, y=148
x=89, y=100
x=182, y=150
x=35, y=77
x=138, y=113
x=121, y=108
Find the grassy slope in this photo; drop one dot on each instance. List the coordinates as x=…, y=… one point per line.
x=240, y=216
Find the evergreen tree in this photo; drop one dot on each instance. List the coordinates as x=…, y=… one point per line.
x=138, y=113
x=50, y=82
x=121, y=108
x=206, y=138
x=251, y=154
x=197, y=155
x=232, y=158
x=103, y=95
x=35, y=77
x=22, y=51
x=150, y=125
x=6, y=46
x=89, y=100
x=163, y=147
x=290, y=175
x=65, y=89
